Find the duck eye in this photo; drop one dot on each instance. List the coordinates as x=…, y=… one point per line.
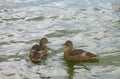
x=68, y=43
x=44, y=41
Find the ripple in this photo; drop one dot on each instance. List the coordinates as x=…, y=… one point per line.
x=13, y=19
x=91, y=25
x=36, y=18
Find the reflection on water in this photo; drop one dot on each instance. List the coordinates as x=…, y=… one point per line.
x=91, y=25
x=70, y=71
x=71, y=68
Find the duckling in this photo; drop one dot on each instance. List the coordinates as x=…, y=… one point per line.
x=77, y=54
x=38, y=52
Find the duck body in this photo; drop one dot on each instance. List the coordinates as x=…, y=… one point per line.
x=77, y=54
x=38, y=52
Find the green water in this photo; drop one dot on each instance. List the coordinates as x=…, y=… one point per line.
x=92, y=25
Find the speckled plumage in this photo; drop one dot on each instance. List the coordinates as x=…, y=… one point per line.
x=38, y=52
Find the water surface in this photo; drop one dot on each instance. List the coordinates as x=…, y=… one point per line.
x=92, y=25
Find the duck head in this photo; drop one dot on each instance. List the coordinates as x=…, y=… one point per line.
x=68, y=44
x=43, y=41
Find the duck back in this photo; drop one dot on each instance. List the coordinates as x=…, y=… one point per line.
x=77, y=51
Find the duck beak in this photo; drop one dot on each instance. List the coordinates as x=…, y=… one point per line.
x=49, y=42
x=63, y=44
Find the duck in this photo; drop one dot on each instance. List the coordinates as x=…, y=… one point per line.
x=39, y=51
x=77, y=54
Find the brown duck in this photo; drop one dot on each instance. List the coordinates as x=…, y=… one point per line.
x=77, y=54
x=38, y=52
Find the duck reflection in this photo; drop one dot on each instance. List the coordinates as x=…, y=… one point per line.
x=71, y=68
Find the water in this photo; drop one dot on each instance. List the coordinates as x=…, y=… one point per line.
x=92, y=25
